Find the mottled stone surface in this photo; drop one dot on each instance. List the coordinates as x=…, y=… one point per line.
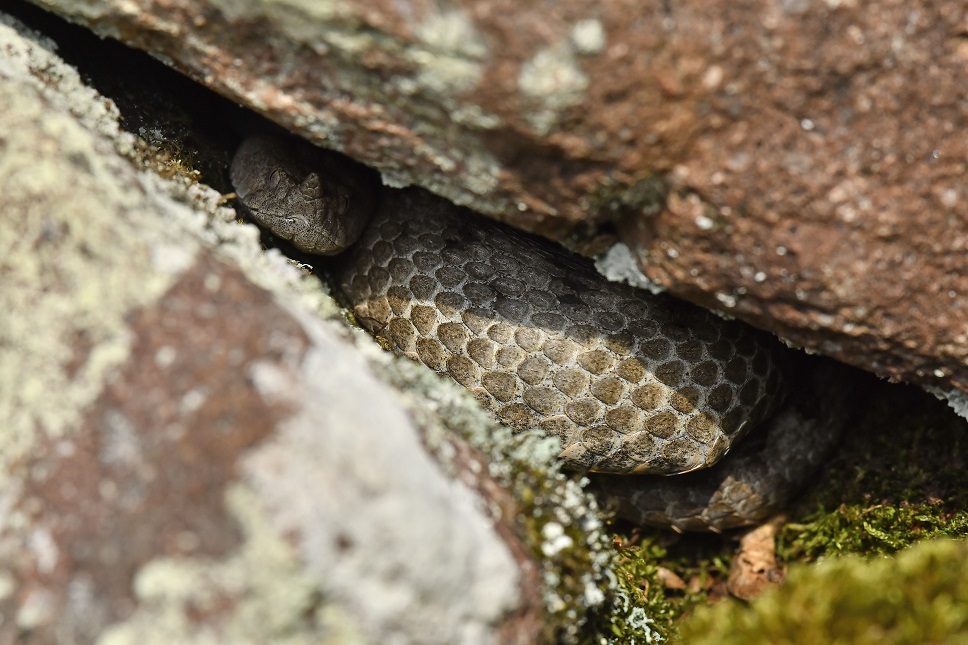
x=799, y=165
x=189, y=457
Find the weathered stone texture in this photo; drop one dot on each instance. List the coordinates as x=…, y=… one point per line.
x=188, y=457
x=796, y=164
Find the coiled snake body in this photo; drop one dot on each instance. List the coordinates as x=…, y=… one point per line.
x=627, y=381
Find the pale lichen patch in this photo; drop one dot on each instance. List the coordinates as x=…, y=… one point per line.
x=618, y=264
x=554, y=81
x=481, y=172
x=88, y=236
x=956, y=399
x=588, y=36
x=450, y=59
x=272, y=597
x=474, y=115
x=65, y=193
x=300, y=19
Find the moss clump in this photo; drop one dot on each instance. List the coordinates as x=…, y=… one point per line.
x=921, y=596
x=641, y=607
x=899, y=478
x=872, y=529
x=637, y=610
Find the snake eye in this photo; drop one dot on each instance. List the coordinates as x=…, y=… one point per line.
x=275, y=178
x=342, y=202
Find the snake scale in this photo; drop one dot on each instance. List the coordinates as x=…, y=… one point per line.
x=629, y=382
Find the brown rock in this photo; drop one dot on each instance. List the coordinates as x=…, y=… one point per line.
x=799, y=165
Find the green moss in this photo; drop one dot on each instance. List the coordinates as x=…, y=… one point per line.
x=641, y=608
x=899, y=478
x=919, y=597
x=874, y=529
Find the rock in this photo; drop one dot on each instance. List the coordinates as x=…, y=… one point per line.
x=193, y=454
x=794, y=164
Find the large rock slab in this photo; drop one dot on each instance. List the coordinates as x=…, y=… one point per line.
x=191, y=453
x=799, y=165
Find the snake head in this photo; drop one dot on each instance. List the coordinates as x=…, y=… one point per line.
x=319, y=200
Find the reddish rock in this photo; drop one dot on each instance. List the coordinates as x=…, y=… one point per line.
x=145, y=474
x=799, y=165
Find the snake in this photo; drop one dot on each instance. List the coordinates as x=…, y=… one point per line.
x=636, y=387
